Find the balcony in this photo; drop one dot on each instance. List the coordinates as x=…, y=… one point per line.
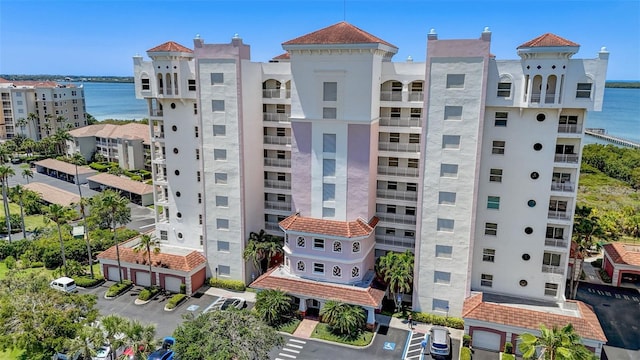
x=570, y=129
x=160, y=180
x=566, y=158
x=277, y=140
x=277, y=184
x=397, y=195
x=562, y=186
x=158, y=136
x=271, y=93
x=5, y=96
x=561, y=243
x=391, y=240
x=416, y=96
x=557, y=214
x=400, y=121
x=276, y=117
x=397, y=218
x=277, y=205
x=553, y=269
x=155, y=112
x=548, y=98
x=286, y=163
x=391, y=95
x=398, y=171
x=159, y=159
x=401, y=147
x=162, y=201
x=272, y=226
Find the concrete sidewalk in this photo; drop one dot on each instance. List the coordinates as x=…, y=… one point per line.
x=418, y=327
x=590, y=272
x=247, y=295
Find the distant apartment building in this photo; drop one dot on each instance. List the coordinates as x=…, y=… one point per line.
x=36, y=109
x=468, y=161
x=128, y=145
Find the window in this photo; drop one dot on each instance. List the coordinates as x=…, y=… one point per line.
x=440, y=305
x=196, y=131
x=392, y=185
x=444, y=251
x=197, y=154
x=195, y=109
x=583, y=91
x=451, y=141
x=222, y=224
x=355, y=272
x=410, y=210
x=164, y=235
x=217, y=105
x=220, y=154
x=498, y=147
x=192, y=84
x=337, y=246
x=501, y=118
x=394, y=137
x=445, y=225
x=488, y=255
x=355, y=247
x=416, y=113
x=551, y=259
x=301, y=242
x=442, y=277
x=410, y=234
x=219, y=130
x=222, y=201
x=220, y=178
x=145, y=84
x=486, y=280
x=449, y=170
x=389, y=231
x=554, y=233
x=491, y=229
x=318, y=244
x=495, y=175
x=330, y=91
x=414, y=138
x=318, y=268
x=550, y=289
x=200, y=219
x=455, y=81
x=390, y=209
x=446, y=198
x=504, y=89
x=217, y=78
x=413, y=163
x=453, y=112
x=224, y=270
x=199, y=198
x=328, y=192
x=300, y=266
x=412, y=187
x=328, y=212
x=329, y=113
x=223, y=245
x=493, y=202
x=198, y=177
x=329, y=167
x=337, y=271
x=329, y=143
x=395, y=112
x=568, y=120
x=393, y=161
x=281, y=132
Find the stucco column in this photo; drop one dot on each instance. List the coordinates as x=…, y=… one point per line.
x=371, y=318
x=529, y=89
x=302, y=307
x=283, y=89
x=556, y=99
x=405, y=91
x=543, y=90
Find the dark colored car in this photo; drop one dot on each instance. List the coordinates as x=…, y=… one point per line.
x=164, y=353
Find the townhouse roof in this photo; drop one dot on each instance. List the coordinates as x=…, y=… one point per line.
x=370, y=296
x=170, y=46
x=64, y=167
x=586, y=324
x=548, y=40
x=285, y=56
x=624, y=254
x=33, y=83
x=344, y=229
x=121, y=183
x=52, y=194
x=168, y=258
x=340, y=33
x=113, y=131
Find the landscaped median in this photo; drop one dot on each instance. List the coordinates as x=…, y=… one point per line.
x=175, y=301
x=87, y=282
x=233, y=285
x=147, y=294
x=323, y=331
x=118, y=289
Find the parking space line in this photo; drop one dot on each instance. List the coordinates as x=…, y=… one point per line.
x=626, y=297
x=608, y=293
x=298, y=341
x=287, y=355
x=618, y=296
x=291, y=350
x=635, y=299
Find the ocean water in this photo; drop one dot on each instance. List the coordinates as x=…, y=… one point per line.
x=620, y=114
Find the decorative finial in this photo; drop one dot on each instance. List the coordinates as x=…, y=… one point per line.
x=236, y=36
x=432, y=31
x=486, y=29
x=197, y=36
x=409, y=58
x=603, y=49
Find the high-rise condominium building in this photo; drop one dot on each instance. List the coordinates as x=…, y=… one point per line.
x=36, y=109
x=467, y=161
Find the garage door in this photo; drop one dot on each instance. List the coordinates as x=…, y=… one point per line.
x=486, y=340
x=143, y=279
x=172, y=284
x=113, y=274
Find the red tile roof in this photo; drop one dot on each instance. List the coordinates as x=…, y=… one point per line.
x=625, y=254
x=340, y=33
x=166, y=260
x=369, y=296
x=170, y=46
x=284, y=56
x=33, y=83
x=344, y=229
x=587, y=325
x=548, y=40
x=65, y=167
x=122, y=183
x=52, y=194
x=112, y=131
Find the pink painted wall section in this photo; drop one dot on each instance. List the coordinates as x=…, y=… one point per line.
x=301, y=167
x=359, y=168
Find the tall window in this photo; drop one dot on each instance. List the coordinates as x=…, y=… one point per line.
x=329, y=143
x=498, y=147
x=501, y=118
x=583, y=91
x=504, y=89
x=493, y=202
x=330, y=91
x=329, y=167
x=488, y=255
x=495, y=175
x=328, y=192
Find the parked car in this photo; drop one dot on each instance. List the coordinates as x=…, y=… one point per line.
x=64, y=284
x=61, y=356
x=104, y=352
x=440, y=342
x=224, y=303
x=164, y=353
x=16, y=161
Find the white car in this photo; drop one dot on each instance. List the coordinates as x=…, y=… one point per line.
x=224, y=303
x=104, y=352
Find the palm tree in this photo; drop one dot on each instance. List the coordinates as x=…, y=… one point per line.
x=59, y=120
x=113, y=208
x=252, y=252
x=114, y=327
x=60, y=140
x=22, y=122
x=140, y=337
x=19, y=191
x=343, y=318
x=32, y=119
x=28, y=145
x=262, y=246
x=147, y=245
x=84, y=342
x=397, y=270
x=5, y=173
x=585, y=226
x=78, y=159
x=60, y=215
x=26, y=174
x=273, y=306
x=554, y=344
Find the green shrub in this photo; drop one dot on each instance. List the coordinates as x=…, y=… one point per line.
x=37, y=264
x=448, y=321
x=175, y=300
x=99, y=166
x=506, y=356
x=604, y=276
x=86, y=282
x=183, y=288
x=10, y=262
x=508, y=347
x=466, y=340
x=235, y=285
x=148, y=293
x=118, y=288
x=465, y=353
x=136, y=178
x=597, y=263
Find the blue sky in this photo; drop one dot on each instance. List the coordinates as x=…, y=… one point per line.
x=74, y=37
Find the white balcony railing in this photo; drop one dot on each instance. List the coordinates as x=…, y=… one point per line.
x=276, y=117
x=156, y=112
x=396, y=146
x=391, y=95
x=397, y=195
x=570, y=128
x=562, y=186
x=556, y=214
x=397, y=171
x=397, y=218
x=400, y=121
x=277, y=162
x=566, y=158
x=277, y=205
x=416, y=96
x=277, y=140
x=391, y=240
x=271, y=93
x=562, y=243
x=272, y=226
x=277, y=184
x=552, y=269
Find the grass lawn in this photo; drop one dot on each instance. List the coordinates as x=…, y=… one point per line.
x=290, y=327
x=40, y=270
x=322, y=332
x=10, y=355
x=30, y=221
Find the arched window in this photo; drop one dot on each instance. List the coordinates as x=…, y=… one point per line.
x=168, y=77
x=160, y=84
x=355, y=272
x=300, y=266
x=337, y=271
x=337, y=246
x=355, y=247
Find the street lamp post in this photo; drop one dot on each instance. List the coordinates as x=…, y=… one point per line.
x=216, y=274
